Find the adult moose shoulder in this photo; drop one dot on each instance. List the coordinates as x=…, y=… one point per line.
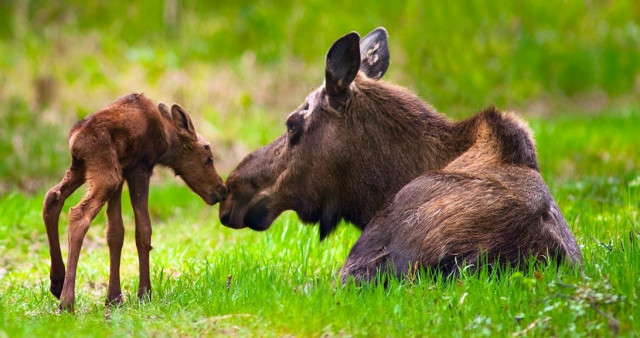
x=464, y=190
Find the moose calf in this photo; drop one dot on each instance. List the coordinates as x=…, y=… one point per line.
x=123, y=142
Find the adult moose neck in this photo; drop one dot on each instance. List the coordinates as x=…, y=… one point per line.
x=408, y=138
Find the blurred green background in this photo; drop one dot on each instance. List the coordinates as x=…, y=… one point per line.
x=240, y=66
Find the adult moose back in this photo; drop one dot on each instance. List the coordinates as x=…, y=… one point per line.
x=426, y=191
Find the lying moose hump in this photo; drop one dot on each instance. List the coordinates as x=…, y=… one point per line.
x=426, y=191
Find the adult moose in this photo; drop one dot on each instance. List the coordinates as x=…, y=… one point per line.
x=123, y=142
x=464, y=190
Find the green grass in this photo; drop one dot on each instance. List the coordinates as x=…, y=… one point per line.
x=283, y=281
x=239, y=68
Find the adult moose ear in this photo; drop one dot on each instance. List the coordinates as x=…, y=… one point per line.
x=374, y=51
x=343, y=62
x=181, y=120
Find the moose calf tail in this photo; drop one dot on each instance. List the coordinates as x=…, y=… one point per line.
x=53, y=203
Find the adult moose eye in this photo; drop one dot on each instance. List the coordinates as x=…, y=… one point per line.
x=294, y=127
x=291, y=127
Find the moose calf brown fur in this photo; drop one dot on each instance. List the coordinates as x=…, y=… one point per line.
x=462, y=190
x=123, y=142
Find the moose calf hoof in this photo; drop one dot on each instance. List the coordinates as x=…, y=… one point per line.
x=56, y=286
x=114, y=301
x=66, y=306
x=144, y=295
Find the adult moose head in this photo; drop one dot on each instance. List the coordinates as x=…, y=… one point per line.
x=348, y=149
x=426, y=191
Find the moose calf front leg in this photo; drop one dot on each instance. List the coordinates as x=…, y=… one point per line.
x=139, y=192
x=115, y=239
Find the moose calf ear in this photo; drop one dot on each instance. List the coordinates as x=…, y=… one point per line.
x=181, y=119
x=374, y=52
x=343, y=62
x=164, y=110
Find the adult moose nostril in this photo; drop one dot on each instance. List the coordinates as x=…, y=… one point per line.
x=224, y=218
x=257, y=218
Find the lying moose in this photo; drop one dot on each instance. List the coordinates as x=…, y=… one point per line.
x=123, y=142
x=426, y=191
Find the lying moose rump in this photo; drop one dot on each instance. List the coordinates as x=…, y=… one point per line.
x=490, y=203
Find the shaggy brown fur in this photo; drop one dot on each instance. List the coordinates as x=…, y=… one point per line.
x=490, y=203
x=123, y=142
x=356, y=142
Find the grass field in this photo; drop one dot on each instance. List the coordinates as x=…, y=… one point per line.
x=283, y=281
x=238, y=69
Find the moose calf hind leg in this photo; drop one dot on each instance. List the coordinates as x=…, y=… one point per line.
x=115, y=239
x=53, y=203
x=80, y=218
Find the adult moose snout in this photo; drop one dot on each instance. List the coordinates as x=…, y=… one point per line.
x=229, y=207
x=225, y=215
x=255, y=215
x=249, y=202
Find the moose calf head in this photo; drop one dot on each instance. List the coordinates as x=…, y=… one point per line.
x=190, y=157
